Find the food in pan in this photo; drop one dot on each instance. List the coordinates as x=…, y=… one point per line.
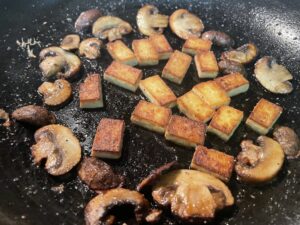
x=206, y=64
x=70, y=42
x=90, y=92
x=108, y=140
x=227, y=66
x=4, y=118
x=218, y=38
x=123, y=76
x=161, y=45
x=145, y=52
x=243, y=54
x=86, y=19
x=176, y=67
x=193, y=45
x=90, y=48
x=151, y=116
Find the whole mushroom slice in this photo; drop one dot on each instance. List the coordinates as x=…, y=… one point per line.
x=57, y=62
x=259, y=164
x=185, y=24
x=272, y=76
x=57, y=93
x=227, y=66
x=97, y=209
x=34, y=115
x=150, y=22
x=111, y=28
x=243, y=54
x=58, y=145
x=70, y=42
x=86, y=19
x=218, y=38
x=90, y=48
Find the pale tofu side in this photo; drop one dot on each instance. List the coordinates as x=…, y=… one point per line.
x=151, y=116
x=264, y=116
x=194, y=107
x=225, y=122
x=206, y=64
x=145, y=52
x=123, y=76
x=194, y=45
x=162, y=46
x=157, y=91
x=176, y=67
x=121, y=53
x=233, y=84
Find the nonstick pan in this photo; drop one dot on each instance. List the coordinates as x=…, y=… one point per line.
x=28, y=195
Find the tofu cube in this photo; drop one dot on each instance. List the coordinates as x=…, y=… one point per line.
x=194, y=107
x=151, y=116
x=157, y=91
x=193, y=45
x=123, y=76
x=176, y=67
x=233, y=84
x=206, y=64
x=161, y=45
x=145, y=52
x=225, y=121
x=213, y=162
x=90, y=92
x=121, y=53
x=186, y=132
x=108, y=140
x=264, y=116
x=212, y=93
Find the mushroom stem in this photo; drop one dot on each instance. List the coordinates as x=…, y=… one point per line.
x=160, y=21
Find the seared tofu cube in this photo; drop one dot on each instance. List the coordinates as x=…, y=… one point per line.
x=206, y=64
x=212, y=93
x=225, y=121
x=186, y=132
x=157, y=91
x=108, y=140
x=123, y=76
x=151, y=116
x=213, y=162
x=194, y=107
x=161, y=45
x=233, y=84
x=121, y=53
x=90, y=92
x=193, y=45
x=145, y=52
x=176, y=67
x=264, y=116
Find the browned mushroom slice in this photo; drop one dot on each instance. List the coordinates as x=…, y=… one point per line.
x=98, y=208
x=58, y=145
x=154, y=216
x=86, y=19
x=90, y=48
x=227, y=66
x=218, y=38
x=244, y=54
x=34, y=115
x=258, y=164
x=4, y=118
x=70, y=42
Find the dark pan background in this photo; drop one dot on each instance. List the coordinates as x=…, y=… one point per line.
x=26, y=196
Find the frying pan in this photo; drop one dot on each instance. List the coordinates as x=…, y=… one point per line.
x=28, y=195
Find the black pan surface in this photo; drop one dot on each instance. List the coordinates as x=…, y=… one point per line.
x=26, y=192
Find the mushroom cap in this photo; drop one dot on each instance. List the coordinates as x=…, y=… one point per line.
x=70, y=42
x=90, y=48
x=219, y=38
x=243, y=54
x=185, y=24
x=58, y=145
x=86, y=19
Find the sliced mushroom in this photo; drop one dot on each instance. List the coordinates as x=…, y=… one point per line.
x=227, y=66
x=185, y=24
x=90, y=48
x=289, y=141
x=154, y=216
x=257, y=164
x=4, y=117
x=86, y=19
x=34, y=115
x=218, y=38
x=57, y=93
x=111, y=27
x=149, y=20
x=58, y=145
x=70, y=42
x=272, y=76
x=57, y=62
x=98, y=208
x=244, y=54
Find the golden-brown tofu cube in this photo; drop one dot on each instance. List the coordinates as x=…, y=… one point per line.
x=121, y=53
x=206, y=64
x=108, y=140
x=233, y=84
x=194, y=107
x=194, y=45
x=212, y=93
x=213, y=162
x=186, y=132
x=157, y=91
x=145, y=52
x=90, y=92
x=176, y=67
x=225, y=121
x=161, y=45
x=123, y=76
x=264, y=116
x=151, y=116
